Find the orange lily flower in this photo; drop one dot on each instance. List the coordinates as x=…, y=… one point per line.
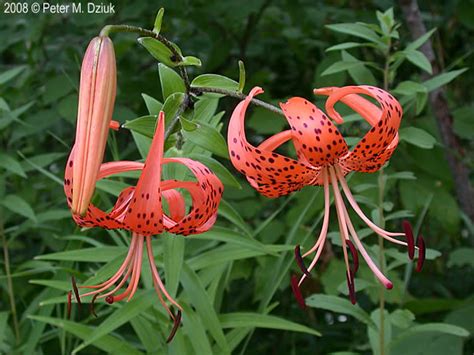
x=96, y=103
x=324, y=159
x=139, y=209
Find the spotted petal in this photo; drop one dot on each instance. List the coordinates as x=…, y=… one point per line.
x=205, y=194
x=316, y=138
x=379, y=143
x=270, y=173
x=144, y=214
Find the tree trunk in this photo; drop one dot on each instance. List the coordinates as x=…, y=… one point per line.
x=453, y=150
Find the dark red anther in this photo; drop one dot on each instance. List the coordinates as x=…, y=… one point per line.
x=109, y=299
x=91, y=305
x=300, y=262
x=297, y=292
x=410, y=240
x=355, y=256
x=350, y=286
x=177, y=322
x=76, y=292
x=420, y=243
x=69, y=304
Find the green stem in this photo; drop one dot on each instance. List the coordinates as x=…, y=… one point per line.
x=175, y=119
x=381, y=184
x=11, y=293
x=147, y=33
x=237, y=95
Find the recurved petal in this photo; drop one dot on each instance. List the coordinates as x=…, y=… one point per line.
x=377, y=146
x=316, y=138
x=145, y=213
x=261, y=165
x=205, y=193
x=95, y=217
x=176, y=203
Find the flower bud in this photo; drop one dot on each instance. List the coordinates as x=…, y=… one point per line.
x=96, y=103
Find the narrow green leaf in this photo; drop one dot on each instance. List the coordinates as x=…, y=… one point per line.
x=144, y=125
x=418, y=137
x=357, y=30
x=339, y=305
x=285, y=260
x=39, y=168
x=11, y=73
x=3, y=326
x=230, y=213
x=137, y=305
x=215, y=81
x=230, y=236
x=226, y=253
x=190, y=60
x=110, y=186
x=196, y=331
x=170, y=81
x=158, y=50
x=341, y=66
x=248, y=319
x=436, y=327
x=146, y=332
x=173, y=257
x=17, y=205
x=420, y=60
x=241, y=76
x=36, y=332
x=409, y=88
x=107, y=343
x=172, y=106
x=420, y=40
x=102, y=254
x=143, y=143
x=158, y=21
x=346, y=45
x=360, y=73
x=442, y=79
x=205, y=108
x=153, y=105
x=205, y=136
x=11, y=164
x=56, y=284
x=402, y=175
x=201, y=302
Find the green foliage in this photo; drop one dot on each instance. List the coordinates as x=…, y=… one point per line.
x=233, y=281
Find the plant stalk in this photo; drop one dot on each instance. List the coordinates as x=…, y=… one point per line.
x=147, y=33
x=381, y=184
x=11, y=293
x=237, y=95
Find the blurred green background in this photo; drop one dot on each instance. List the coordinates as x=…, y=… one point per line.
x=283, y=45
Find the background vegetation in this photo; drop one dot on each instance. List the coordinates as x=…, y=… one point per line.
x=234, y=280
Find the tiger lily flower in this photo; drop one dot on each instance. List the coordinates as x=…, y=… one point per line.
x=96, y=103
x=324, y=159
x=139, y=209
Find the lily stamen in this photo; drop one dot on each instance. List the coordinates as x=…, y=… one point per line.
x=139, y=209
x=324, y=159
